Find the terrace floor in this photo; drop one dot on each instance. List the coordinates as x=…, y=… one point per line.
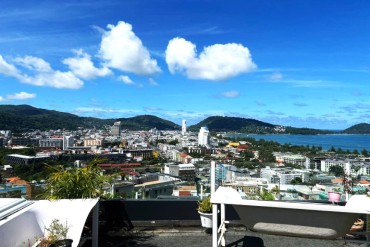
x=198, y=237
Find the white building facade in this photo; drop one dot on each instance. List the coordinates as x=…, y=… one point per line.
x=203, y=136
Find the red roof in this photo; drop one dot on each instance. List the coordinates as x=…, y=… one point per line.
x=243, y=146
x=364, y=182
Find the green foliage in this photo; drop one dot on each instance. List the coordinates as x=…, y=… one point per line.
x=362, y=128
x=265, y=195
x=336, y=170
x=55, y=232
x=305, y=131
x=20, y=118
x=86, y=182
x=296, y=180
x=220, y=124
x=205, y=205
x=147, y=122
x=173, y=142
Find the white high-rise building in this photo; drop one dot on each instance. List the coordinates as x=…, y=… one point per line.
x=68, y=142
x=203, y=136
x=183, y=129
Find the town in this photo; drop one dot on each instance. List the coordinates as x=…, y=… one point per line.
x=176, y=164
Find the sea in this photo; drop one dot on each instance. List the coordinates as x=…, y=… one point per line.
x=343, y=141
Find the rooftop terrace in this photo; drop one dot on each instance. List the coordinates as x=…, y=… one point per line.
x=176, y=223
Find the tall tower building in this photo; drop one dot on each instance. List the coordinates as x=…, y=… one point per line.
x=67, y=142
x=116, y=129
x=203, y=136
x=183, y=129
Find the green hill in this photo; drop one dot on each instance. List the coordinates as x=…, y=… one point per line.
x=244, y=125
x=19, y=118
x=147, y=122
x=227, y=124
x=362, y=128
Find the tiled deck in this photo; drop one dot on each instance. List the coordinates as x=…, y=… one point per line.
x=197, y=237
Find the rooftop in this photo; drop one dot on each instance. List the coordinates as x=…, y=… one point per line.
x=198, y=237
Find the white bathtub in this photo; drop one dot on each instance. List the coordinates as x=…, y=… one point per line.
x=303, y=219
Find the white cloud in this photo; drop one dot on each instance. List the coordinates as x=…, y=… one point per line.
x=21, y=96
x=126, y=80
x=41, y=74
x=276, y=76
x=34, y=63
x=7, y=69
x=230, y=94
x=152, y=82
x=18, y=96
x=215, y=62
x=56, y=79
x=123, y=50
x=82, y=66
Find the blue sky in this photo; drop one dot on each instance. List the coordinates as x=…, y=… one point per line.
x=294, y=63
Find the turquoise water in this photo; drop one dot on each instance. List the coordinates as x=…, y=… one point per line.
x=350, y=142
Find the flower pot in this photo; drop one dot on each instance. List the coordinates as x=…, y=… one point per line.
x=333, y=197
x=206, y=219
x=62, y=243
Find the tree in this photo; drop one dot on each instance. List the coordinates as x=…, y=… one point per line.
x=173, y=142
x=336, y=170
x=265, y=195
x=296, y=180
x=86, y=182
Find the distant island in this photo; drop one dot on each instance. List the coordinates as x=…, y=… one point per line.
x=21, y=118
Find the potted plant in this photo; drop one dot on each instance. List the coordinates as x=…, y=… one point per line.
x=205, y=212
x=56, y=235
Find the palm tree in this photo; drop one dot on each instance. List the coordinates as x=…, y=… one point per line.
x=86, y=182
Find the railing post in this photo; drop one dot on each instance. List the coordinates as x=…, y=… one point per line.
x=214, y=206
x=223, y=225
x=95, y=225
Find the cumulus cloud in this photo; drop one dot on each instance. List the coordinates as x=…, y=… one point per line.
x=21, y=96
x=123, y=50
x=126, y=79
x=39, y=73
x=82, y=66
x=230, y=94
x=7, y=69
x=34, y=63
x=56, y=79
x=18, y=96
x=215, y=62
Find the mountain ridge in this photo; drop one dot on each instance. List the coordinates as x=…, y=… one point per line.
x=19, y=118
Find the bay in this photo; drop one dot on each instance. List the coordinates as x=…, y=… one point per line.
x=343, y=141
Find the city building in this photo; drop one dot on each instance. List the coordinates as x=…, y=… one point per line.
x=184, y=171
x=51, y=143
x=183, y=128
x=12, y=159
x=116, y=129
x=92, y=142
x=282, y=176
x=203, y=136
x=68, y=142
x=224, y=172
x=295, y=159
